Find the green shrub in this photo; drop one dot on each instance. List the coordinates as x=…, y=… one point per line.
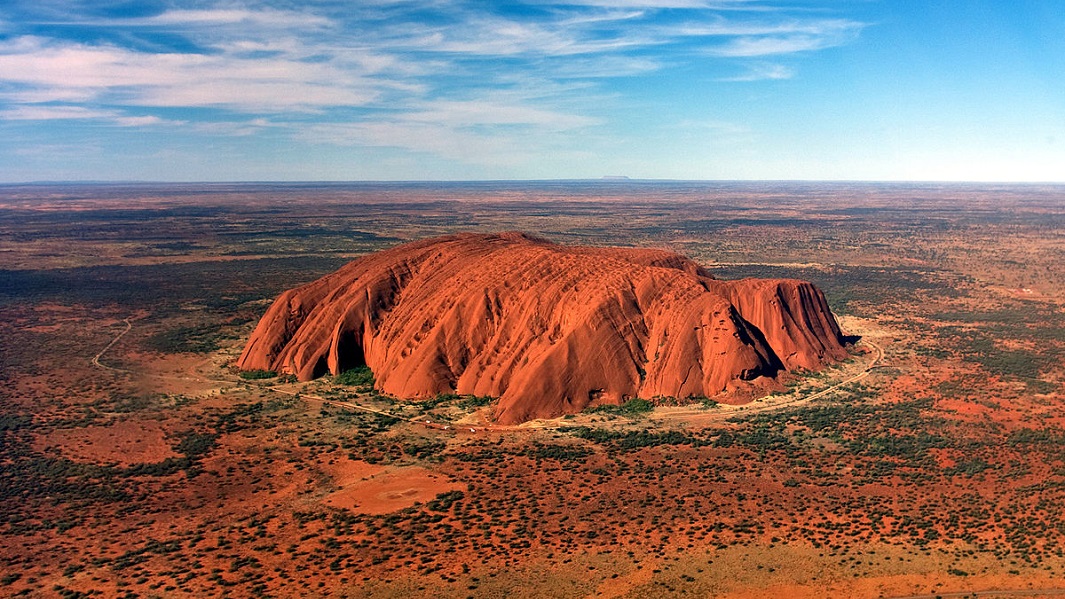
x=194, y=444
x=632, y=407
x=199, y=339
x=475, y=401
x=252, y=375
x=444, y=501
x=706, y=402
x=360, y=376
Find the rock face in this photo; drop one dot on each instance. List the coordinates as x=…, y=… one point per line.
x=548, y=329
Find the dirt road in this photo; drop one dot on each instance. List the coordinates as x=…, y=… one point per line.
x=96, y=358
x=721, y=412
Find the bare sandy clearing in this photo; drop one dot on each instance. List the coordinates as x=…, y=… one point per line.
x=370, y=489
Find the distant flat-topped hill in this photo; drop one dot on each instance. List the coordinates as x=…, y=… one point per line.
x=549, y=329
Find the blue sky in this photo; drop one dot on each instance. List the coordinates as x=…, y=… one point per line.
x=214, y=90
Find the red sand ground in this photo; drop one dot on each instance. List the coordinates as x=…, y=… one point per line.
x=368, y=489
x=124, y=443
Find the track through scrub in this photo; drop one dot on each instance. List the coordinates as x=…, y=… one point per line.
x=725, y=409
x=190, y=377
x=96, y=359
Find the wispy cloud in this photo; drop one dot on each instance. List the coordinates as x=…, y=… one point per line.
x=143, y=121
x=52, y=113
x=431, y=75
x=761, y=27
x=58, y=71
x=238, y=128
x=472, y=113
x=270, y=18
x=763, y=72
x=499, y=146
x=750, y=40
x=263, y=17
x=605, y=67
x=40, y=112
x=769, y=46
x=690, y=4
x=488, y=36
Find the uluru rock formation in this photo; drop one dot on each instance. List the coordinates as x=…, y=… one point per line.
x=549, y=329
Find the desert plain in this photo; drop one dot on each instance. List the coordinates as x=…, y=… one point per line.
x=137, y=461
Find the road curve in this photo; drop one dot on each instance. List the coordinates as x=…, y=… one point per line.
x=96, y=359
x=747, y=408
x=554, y=423
x=727, y=410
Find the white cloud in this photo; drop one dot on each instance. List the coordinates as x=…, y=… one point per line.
x=596, y=67
x=60, y=112
x=200, y=18
x=430, y=137
x=466, y=83
x=785, y=38
x=768, y=46
x=269, y=18
x=269, y=60
x=601, y=16
x=62, y=71
x=762, y=72
x=652, y=4
x=144, y=121
x=474, y=113
x=502, y=130
x=36, y=95
x=235, y=128
x=495, y=37
x=732, y=28
x=253, y=95
x=51, y=113
x=492, y=148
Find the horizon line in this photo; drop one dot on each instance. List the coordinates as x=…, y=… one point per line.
x=617, y=180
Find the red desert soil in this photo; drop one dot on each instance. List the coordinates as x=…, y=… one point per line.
x=369, y=489
x=549, y=329
x=124, y=443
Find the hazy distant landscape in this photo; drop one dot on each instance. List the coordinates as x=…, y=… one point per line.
x=138, y=462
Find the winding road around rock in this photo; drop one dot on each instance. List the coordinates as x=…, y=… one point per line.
x=724, y=409
x=759, y=405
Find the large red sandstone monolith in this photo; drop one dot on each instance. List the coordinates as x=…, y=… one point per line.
x=548, y=329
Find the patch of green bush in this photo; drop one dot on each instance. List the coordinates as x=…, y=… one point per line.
x=200, y=339
x=360, y=376
x=706, y=402
x=632, y=407
x=195, y=445
x=444, y=501
x=475, y=401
